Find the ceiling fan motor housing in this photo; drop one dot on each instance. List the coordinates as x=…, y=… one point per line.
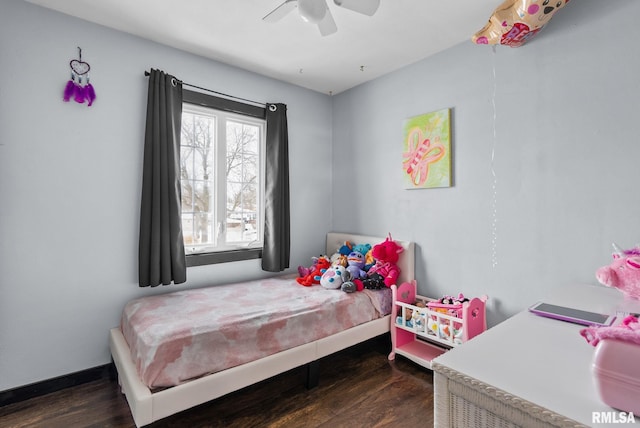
x=312, y=10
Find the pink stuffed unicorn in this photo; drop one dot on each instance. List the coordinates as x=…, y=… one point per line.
x=615, y=363
x=623, y=273
x=385, y=271
x=627, y=331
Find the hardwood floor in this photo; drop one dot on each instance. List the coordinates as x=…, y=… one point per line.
x=358, y=387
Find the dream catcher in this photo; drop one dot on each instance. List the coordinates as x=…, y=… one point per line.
x=79, y=87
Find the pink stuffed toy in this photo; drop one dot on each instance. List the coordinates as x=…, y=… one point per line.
x=384, y=272
x=304, y=271
x=623, y=273
x=315, y=275
x=627, y=331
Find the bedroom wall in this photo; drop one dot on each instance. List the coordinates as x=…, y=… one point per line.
x=70, y=180
x=565, y=157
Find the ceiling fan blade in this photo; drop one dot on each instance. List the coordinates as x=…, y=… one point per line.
x=327, y=25
x=366, y=7
x=281, y=11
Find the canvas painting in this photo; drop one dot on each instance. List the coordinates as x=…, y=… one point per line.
x=426, y=155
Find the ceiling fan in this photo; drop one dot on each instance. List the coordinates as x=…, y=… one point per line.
x=317, y=11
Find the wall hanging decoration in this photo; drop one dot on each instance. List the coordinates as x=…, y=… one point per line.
x=426, y=156
x=516, y=21
x=75, y=88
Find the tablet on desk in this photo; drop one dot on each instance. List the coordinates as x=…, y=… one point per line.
x=575, y=316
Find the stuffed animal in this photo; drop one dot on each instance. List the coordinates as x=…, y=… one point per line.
x=419, y=321
x=408, y=317
x=627, y=331
x=362, y=248
x=334, y=277
x=304, y=271
x=369, y=260
x=448, y=305
x=450, y=300
x=339, y=259
x=623, y=273
x=340, y=256
x=348, y=287
x=345, y=248
x=314, y=277
x=355, y=265
x=385, y=271
x=405, y=316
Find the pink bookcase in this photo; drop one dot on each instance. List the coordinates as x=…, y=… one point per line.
x=421, y=334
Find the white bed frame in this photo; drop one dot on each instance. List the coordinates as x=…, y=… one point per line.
x=147, y=407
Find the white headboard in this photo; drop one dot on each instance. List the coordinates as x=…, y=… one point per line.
x=406, y=260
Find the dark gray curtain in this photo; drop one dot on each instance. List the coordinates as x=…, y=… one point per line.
x=161, y=249
x=275, y=252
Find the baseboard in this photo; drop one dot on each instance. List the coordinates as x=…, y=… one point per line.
x=38, y=389
x=106, y=371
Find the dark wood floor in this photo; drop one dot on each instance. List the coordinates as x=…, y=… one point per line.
x=358, y=387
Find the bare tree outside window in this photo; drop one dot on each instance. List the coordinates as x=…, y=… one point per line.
x=242, y=174
x=196, y=168
x=220, y=207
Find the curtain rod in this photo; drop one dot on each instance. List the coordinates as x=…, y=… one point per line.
x=146, y=73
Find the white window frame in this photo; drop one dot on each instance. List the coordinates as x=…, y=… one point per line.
x=219, y=251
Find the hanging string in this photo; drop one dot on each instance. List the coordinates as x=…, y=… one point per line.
x=494, y=199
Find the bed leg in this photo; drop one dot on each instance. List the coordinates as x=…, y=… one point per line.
x=113, y=372
x=114, y=376
x=313, y=374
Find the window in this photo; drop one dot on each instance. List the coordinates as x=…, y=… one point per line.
x=222, y=179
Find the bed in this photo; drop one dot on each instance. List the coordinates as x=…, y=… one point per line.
x=155, y=392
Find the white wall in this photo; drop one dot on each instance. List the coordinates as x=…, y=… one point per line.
x=567, y=121
x=70, y=179
x=566, y=162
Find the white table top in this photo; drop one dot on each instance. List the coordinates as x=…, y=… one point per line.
x=542, y=360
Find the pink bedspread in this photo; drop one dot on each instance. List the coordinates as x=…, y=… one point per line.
x=186, y=334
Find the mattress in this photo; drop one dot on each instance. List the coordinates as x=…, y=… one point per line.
x=183, y=335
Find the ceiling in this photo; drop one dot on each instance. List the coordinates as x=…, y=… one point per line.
x=232, y=31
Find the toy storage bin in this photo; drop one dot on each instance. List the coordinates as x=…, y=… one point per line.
x=617, y=374
x=426, y=333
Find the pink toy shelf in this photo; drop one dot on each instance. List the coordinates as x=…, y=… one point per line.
x=422, y=328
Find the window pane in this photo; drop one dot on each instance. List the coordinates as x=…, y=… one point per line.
x=202, y=197
x=244, y=135
x=186, y=137
x=203, y=228
x=187, y=196
x=251, y=170
x=197, y=170
x=242, y=175
x=186, y=162
x=187, y=229
x=202, y=163
x=221, y=179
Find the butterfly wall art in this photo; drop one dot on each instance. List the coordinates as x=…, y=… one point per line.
x=426, y=155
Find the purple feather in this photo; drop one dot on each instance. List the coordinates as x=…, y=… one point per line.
x=79, y=98
x=69, y=90
x=90, y=93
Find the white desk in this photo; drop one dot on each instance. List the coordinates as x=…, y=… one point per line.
x=528, y=370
